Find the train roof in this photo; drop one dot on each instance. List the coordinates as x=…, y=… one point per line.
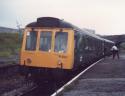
x=50, y=22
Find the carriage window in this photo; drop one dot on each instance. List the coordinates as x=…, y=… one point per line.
x=31, y=38
x=61, y=39
x=45, y=41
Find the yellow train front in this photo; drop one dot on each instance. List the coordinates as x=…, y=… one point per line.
x=47, y=48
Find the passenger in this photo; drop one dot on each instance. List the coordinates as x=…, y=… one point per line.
x=115, y=52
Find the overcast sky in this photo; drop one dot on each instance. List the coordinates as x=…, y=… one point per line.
x=106, y=17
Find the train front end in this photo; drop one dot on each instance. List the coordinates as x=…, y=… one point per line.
x=47, y=47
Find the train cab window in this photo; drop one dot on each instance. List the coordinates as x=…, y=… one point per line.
x=45, y=41
x=31, y=38
x=61, y=39
x=75, y=42
x=81, y=43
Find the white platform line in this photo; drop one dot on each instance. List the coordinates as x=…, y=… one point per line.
x=76, y=77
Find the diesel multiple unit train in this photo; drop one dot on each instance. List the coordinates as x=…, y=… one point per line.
x=55, y=47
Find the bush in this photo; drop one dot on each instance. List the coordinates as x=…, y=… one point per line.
x=9, y=44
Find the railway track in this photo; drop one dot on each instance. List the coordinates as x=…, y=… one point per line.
x=27, y=88
x=8, y=70
x=48, y=89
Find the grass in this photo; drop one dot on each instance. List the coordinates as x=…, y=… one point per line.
x=9, y=44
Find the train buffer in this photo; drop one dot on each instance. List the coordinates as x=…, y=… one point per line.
x=106, y=78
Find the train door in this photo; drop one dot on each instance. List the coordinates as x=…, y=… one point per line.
x=64, y=49
x=45, y=48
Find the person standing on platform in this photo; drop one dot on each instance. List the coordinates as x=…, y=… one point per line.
x=115, y=51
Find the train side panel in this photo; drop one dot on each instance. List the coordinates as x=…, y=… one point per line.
x=87, y=50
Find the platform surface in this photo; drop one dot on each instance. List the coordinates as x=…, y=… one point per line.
x=106, y=78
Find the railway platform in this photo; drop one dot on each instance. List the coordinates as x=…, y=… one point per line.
x=106, y=78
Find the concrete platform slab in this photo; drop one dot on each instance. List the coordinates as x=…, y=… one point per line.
x=106, y=78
